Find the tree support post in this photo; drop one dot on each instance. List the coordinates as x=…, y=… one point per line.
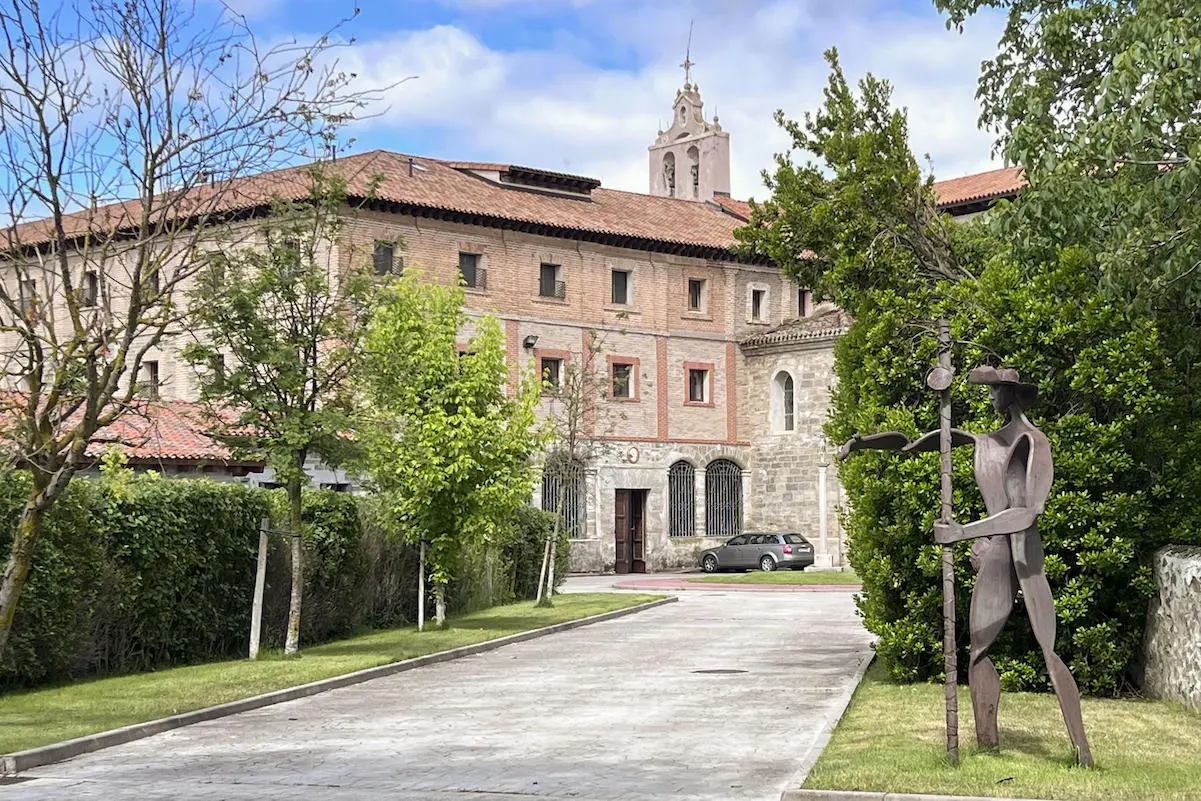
x=421, y=586
x=260, y=580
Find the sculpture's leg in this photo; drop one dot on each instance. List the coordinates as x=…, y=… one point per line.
x=1028, y=559
x=992, y=601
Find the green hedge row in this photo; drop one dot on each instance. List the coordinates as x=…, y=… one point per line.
x=133, y=574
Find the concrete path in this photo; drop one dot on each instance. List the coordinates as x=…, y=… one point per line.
x=618, y=710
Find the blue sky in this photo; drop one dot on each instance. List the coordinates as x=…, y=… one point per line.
x=581, y=85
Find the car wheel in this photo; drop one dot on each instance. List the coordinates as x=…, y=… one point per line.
x=767, y=564
x=709, y=564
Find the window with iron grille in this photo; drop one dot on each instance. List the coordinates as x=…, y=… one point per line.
x=383, y=259
x=549, y=285
x=723, y=499
x=470, y=269
x=563, y=493
x=681, y=493
x=620, y=294
x=148, y=386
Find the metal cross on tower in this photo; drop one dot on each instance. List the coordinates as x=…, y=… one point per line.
x=688, y=63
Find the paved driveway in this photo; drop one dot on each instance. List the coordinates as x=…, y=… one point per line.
x=616, y=710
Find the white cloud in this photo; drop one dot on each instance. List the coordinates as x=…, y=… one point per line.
x=549, y=107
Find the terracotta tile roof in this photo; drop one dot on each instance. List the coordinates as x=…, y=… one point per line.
x=163, y=430
x=981, y=186
x=424, y=183
x=737, y=207
x=826, y=322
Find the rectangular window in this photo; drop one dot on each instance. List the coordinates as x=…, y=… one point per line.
x=696, y=294
x=473, y=274
x=698, y=385
x=804, y=302
x=757, y=296
x=621, y=287
x=552, y=371
x=549, y=285
x=29, y=296
x=622, y=380
x=383, y=259
x=89, y=291
x=148, y=386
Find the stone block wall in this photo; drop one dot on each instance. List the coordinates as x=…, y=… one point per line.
x=1172, y=644
x=790, y=465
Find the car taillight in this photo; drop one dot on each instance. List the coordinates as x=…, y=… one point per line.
x=787, y=549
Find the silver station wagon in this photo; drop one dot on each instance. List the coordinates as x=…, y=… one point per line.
x=759, y=549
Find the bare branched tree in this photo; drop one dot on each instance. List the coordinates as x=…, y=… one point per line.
x=576, y=433
x=172, y=106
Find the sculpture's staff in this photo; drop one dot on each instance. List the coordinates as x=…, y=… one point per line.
x=939, y=380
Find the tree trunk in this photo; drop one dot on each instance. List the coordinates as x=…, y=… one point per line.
x=292, y=646
x=20, y=555
x=440, y=605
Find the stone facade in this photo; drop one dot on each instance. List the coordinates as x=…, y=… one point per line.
x=1172, y=645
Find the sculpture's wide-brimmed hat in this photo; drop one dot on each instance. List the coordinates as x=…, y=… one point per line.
x=1004, y=377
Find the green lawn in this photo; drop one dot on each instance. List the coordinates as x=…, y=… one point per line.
x=892, y=738
x=40, y=717
x=779, y=577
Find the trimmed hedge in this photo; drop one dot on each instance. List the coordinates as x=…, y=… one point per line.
x=131, y=575
x=137, y=573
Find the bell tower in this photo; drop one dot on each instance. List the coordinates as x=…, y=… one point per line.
x=691, y=159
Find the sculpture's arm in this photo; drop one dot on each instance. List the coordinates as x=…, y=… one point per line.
x=929, y=442
x=888, y=441
x=1010, y=521
x=1033, y=459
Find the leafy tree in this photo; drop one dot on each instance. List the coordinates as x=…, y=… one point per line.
x=1100, y=102
x=442, y=436
x=856, y=223
x=161, y=102
x=278, y=332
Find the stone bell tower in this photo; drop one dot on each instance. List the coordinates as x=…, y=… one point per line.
x=691, y=159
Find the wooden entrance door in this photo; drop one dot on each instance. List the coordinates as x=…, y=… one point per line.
x=629, y=530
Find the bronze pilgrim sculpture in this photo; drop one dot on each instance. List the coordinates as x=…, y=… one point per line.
x=1014, y=471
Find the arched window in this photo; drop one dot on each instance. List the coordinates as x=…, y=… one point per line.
x=723, y=499
x=694, y=167
x=681, y=493
x=669, y=173
x=783, y=406
x=563, y=492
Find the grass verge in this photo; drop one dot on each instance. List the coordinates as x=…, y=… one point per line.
x=778, y=577
x=893, y=738
x=40, y=717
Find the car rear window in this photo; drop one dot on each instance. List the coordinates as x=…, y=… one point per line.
x=794, y=539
